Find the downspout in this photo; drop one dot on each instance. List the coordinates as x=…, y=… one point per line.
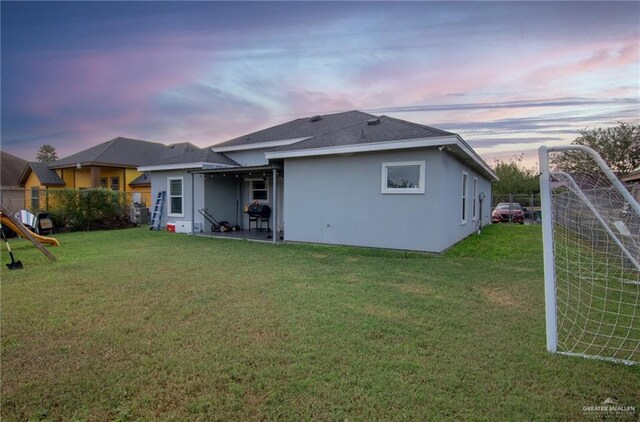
x=274, y=229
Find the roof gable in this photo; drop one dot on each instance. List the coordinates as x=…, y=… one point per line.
x=11, y=169
x=45, y=175
x=123, y=152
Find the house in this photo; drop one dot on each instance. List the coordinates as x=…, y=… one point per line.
x=347, y=178
x=633, y=181
x=11, y=194
x=111, y=165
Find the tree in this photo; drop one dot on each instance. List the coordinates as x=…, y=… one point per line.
x=619, y=147
x=46, y=154
x=514, y=178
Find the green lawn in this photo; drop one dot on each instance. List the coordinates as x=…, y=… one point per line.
x=139, y=325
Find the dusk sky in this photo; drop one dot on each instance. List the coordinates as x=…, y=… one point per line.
x=506, y=76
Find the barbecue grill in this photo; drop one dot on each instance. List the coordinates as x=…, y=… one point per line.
x=260, y=214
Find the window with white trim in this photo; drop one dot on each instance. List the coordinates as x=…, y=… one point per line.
x=475, y=199
x=176, y=196
x=464, y=197
x=259, y=190
x=403, y=177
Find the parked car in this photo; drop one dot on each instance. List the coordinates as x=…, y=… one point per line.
x=506, y=212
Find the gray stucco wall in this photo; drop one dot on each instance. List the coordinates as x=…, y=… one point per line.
x=221, y=196
x=159, y=182
x=338, y=200
x=253, y=157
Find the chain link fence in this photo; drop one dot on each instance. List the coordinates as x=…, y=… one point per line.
x=12, y=198
x=530, y=204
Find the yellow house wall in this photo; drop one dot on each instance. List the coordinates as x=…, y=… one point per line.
x=81, y=178
x=145, y=191
x=132, y=174
x=32, y=181
x=110, y=172
x=68, y=176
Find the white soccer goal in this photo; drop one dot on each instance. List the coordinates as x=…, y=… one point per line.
x=591, y=235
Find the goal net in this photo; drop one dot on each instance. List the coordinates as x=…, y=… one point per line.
x=591, y=234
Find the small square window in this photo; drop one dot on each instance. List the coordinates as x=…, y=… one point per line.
x=403, y=177
x=259, y=190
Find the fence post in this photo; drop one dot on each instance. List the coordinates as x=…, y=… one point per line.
x=510, y=215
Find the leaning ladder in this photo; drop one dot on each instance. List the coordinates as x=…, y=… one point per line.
x=156, y=214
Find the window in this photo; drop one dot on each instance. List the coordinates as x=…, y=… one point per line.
x=103, y=182
x=464, y=198
x=475, y=198
x=259, y=190
x=35, y=199
x=176, y=197
x=115, y=183
x=403, y=177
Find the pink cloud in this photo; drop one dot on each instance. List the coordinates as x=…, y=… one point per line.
x=599, y=58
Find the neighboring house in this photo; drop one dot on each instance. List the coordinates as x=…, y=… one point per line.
x=347, y=178
x=11, y=194
x=110, y=165
x=633, y=180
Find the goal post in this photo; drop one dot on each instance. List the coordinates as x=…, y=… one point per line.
x=591, y=244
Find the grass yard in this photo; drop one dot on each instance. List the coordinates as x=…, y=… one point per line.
x=140, y=325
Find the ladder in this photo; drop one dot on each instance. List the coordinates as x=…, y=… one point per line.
x=156, y=214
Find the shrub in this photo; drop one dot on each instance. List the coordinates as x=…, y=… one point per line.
x=89, y=209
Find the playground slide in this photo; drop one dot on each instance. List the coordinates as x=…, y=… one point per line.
x=42, y=239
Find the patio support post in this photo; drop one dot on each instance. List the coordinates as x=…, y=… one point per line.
x=238, y=204
x=274, y=230
x=193, y=214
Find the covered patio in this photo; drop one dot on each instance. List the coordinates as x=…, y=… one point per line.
x=229, y=191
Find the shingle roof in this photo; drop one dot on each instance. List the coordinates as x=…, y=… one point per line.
x=301, y=128
x=11, y=168
x=632, y=177
x=46, y=176
x=381, y=129
x=189, y=153
x=142, y=180
x=119, y=151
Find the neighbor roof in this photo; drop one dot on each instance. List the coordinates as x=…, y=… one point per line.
x=188, y=156
x=123, y=152
x=381, y=129
x=46, y=176
x=11, y=169
x=634, y=176
x=142, y=180
x=299, y=128
x=189, y=153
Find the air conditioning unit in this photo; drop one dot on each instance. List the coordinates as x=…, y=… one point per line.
x=183, y=227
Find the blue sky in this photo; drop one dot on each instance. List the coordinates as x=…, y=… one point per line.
x=506, y=76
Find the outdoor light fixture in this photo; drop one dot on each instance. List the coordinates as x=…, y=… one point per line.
x=78, y=166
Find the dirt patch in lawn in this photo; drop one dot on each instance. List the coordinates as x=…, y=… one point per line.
x=501, y=298
x=416, y=289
